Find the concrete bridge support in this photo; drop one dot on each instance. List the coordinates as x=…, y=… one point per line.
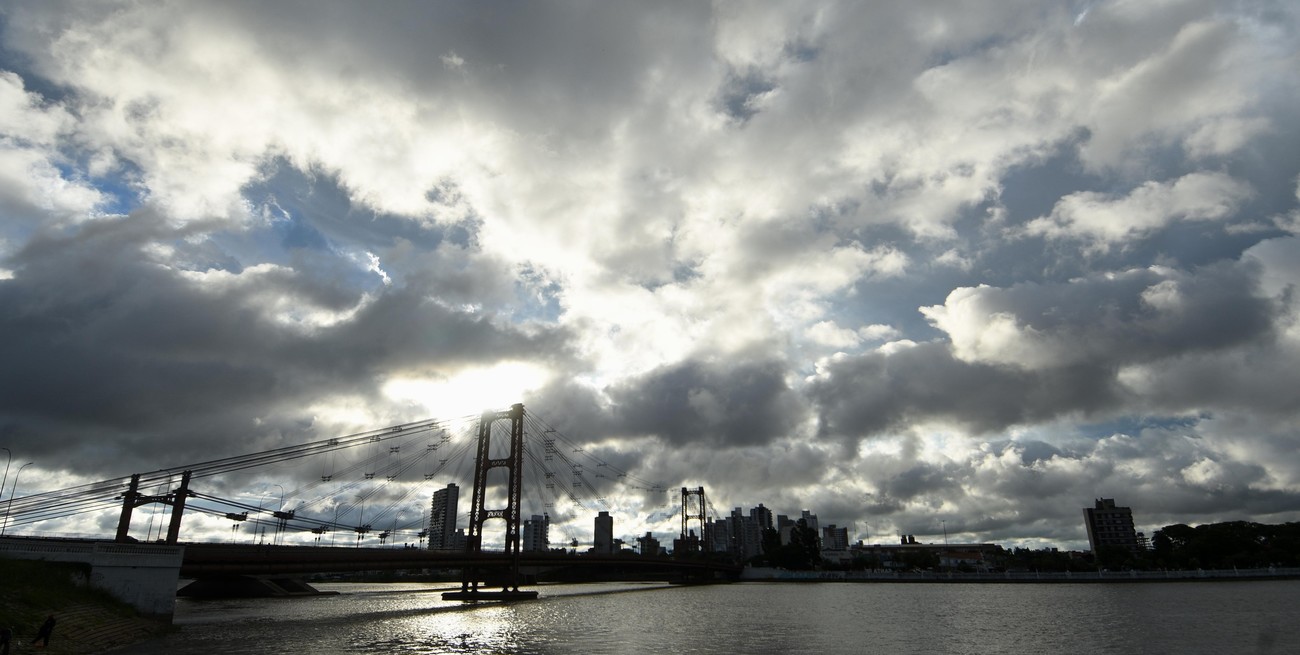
x=141, y=575
x=250, y=586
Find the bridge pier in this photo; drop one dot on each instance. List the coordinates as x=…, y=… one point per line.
x=250, y=586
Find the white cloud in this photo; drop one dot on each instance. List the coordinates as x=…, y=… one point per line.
x=1131, y=316
x=1290, y=221
x=24, y=120
x=1224, y=136
x=828, y=334
x=1204, y=73
x=1107, y=221
x=453, y=61
x=31, y=183
x=878, y=332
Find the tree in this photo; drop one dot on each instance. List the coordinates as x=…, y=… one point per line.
x=1232, y=544
x=803, y=553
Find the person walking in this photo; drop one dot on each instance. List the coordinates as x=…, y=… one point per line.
x=44, y=632
x=6, y=635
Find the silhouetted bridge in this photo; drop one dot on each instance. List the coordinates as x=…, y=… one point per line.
x=207, y=560
x=389, y=460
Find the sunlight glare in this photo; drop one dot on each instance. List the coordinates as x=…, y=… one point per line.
x=470, y=391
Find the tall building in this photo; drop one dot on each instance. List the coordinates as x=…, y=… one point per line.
x=536, y=534
x=718, y=535
x=1109, y=525
x=763, y=517
x=649, y=545
x=783, y=524
x=834, y=538
x=442, y=519
x=810, y=520
x=745, y=535
x=603, y=541
x=690, y=543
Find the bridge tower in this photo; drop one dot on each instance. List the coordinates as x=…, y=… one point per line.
x=472, y=577
x=694, y=507
x=133, y=499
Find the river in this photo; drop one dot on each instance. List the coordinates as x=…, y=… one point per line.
x=756, y=617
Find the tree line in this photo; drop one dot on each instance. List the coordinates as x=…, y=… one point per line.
x=1233, y=544
x=1228, y=545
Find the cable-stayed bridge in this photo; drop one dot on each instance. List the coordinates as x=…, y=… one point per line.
x=372, y=487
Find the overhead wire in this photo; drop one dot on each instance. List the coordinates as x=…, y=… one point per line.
x=93, y=496
x=586, y=491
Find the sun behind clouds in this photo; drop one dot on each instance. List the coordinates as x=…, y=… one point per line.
x=469, y=391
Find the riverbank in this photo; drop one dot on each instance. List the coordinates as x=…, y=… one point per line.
x=757, y=574
x=87, y=620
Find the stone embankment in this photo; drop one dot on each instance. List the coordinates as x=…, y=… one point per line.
x=87, y=629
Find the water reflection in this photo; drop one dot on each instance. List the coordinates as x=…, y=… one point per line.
x=754, y=617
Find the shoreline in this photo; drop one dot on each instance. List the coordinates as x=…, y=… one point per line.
x=1020, y=577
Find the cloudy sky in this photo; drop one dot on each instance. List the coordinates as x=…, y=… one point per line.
x=913, y=266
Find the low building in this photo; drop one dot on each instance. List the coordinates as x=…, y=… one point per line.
x=913, y=555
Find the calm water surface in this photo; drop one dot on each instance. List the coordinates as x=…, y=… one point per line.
x=1191, y=617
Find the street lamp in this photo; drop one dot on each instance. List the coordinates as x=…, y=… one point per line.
x=6, y=478
x=279, y=519
x=258, y=523
x=13, y=491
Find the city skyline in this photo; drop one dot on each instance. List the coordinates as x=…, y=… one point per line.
x=938, y=267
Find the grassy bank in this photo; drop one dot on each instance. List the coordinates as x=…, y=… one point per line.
x=88, y=620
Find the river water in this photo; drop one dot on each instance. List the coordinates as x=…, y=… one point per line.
x=755, y=617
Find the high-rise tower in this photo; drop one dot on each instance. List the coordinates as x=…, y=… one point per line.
x=536, y=534
x=442, y=518
x=603, y=543
x=1109, y=525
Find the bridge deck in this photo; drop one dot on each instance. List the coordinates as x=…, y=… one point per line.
x=231, y=559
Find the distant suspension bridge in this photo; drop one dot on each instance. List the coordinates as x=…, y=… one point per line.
x=375, y=482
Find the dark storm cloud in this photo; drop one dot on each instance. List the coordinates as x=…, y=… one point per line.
x=1133, y=316
x=574, y=409
x=547, y=56
x=726, y=404
x=922, y=478
x=98, y=337
x=877, y=392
